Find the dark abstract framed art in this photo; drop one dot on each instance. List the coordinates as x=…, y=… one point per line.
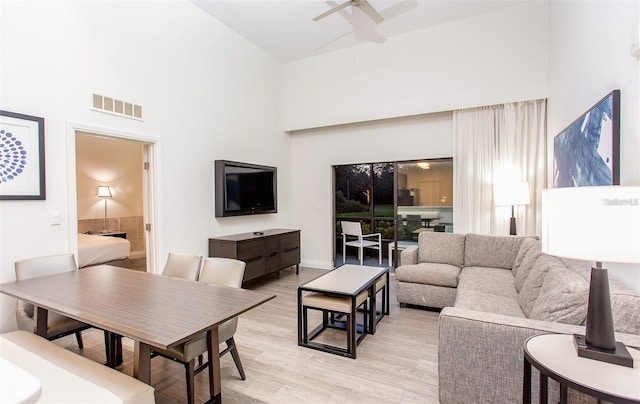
x=22, y=170
x=587, y=152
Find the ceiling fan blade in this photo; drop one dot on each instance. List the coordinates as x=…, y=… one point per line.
x=369, y=11
x=333, y=10
x=343, y=13
x=364, y=29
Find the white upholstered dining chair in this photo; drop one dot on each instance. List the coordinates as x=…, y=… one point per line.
x=220, y=272
x=352, y=237
x=57, y=325
x=183, y=266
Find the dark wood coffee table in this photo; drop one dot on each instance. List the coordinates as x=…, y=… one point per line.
x=345, y=282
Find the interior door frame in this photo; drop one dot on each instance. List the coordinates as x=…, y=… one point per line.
x=151, y=186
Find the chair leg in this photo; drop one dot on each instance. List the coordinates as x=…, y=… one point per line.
x=189, y=368
x=344, y=253
x=79, y=338
x=236, y=357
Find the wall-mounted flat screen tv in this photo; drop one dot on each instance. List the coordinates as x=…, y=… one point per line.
x=244, y=189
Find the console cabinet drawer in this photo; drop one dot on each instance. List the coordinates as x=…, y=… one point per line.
x=289, y=249
x=264, y=252
x=249, y=251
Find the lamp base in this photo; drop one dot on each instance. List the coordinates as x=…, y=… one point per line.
x=512, y=227
x=619, y=356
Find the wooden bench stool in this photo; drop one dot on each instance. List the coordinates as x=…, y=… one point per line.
x=330, y=306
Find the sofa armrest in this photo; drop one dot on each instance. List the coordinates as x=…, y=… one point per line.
x=409, y=256
x=66, y=377
x=480, y=355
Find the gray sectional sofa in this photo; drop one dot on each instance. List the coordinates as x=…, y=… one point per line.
x=495, y=292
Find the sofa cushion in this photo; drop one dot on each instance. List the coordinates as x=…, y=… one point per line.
x=532, y=285
x=488, y=303
x=529, y=259
x=425, y=295
x=527, y=244
x=491, y=251
x=429, y=274
x=495, y=281
x=441, y=248
x=562, y=298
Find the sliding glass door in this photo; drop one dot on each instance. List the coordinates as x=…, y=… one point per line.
x=396, y=199
x=424, y=200
x=364, y=193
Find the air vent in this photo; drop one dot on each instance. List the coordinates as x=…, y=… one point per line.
x=115, y=106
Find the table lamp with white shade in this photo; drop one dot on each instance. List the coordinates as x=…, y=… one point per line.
x=104, y=192
x=511, y=194
x=569, y=230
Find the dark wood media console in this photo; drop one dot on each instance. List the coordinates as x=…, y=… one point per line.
x=264, y=252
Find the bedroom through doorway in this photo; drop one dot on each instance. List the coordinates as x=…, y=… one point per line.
x=110, y=197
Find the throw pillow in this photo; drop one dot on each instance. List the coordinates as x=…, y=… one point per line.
x=563, y=298
x=532, y=285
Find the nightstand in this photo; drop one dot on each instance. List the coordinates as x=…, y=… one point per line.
x=120, y=234
x=555, y=356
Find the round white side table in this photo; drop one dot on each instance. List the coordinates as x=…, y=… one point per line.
x=555, y=356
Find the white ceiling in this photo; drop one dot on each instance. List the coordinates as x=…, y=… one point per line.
x=285, y=29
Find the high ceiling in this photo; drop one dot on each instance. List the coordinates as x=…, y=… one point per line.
x=286, y=30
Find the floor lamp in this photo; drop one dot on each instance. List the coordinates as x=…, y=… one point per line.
x=104, y=192
x=567, y=231
x=511, y=194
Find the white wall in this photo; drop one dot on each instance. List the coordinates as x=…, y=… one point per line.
x=588, y=57
x=493, y=58
x=315, y=151
x=488, y=59
x=207, y=94
x=116, y=163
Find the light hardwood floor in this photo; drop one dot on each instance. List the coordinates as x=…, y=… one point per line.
x=396, y=365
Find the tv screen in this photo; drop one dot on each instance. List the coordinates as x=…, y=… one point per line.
x=244, y=189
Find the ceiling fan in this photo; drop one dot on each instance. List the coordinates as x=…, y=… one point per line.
x=363, y=5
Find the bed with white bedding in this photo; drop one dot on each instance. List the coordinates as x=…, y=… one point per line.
x=94, y=249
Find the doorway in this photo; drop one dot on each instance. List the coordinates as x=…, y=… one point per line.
x=122, y=162
x=364, y=193
x=399, y=200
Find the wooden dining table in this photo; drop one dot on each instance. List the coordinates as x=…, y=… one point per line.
x=153, y=310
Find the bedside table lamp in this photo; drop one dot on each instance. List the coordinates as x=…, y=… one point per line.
x=104, y=192
x=569, y=230
x=511, y=194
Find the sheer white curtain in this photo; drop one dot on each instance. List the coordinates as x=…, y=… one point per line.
x=502, y=143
